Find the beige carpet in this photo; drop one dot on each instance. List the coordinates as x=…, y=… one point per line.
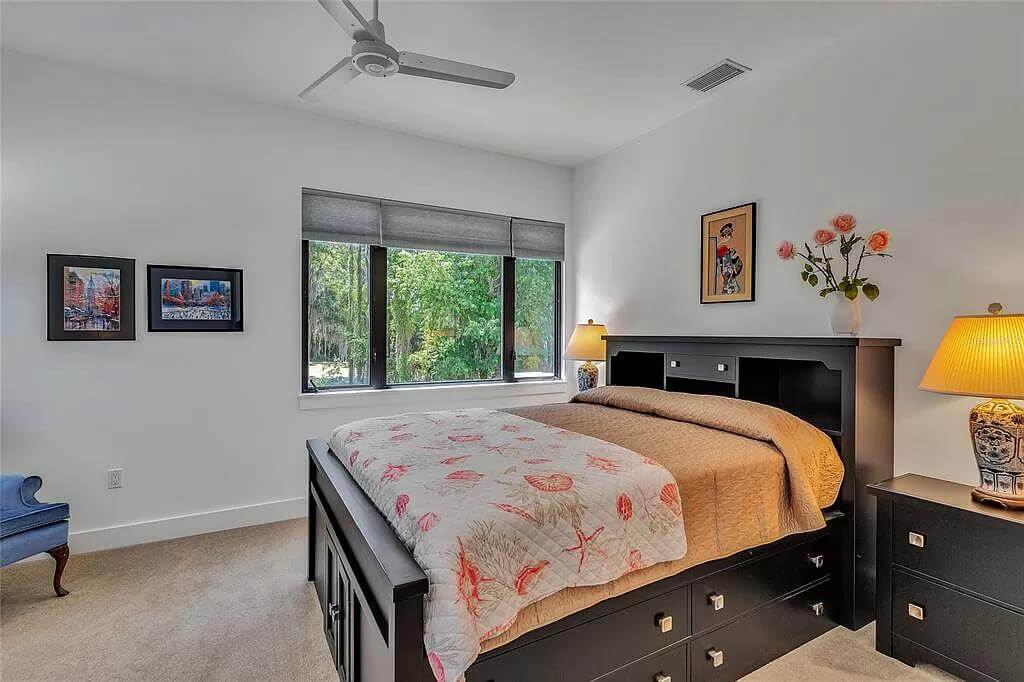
x=235, y=605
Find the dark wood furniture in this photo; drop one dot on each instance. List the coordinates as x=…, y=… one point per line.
x=950, y=579
x=715, y=621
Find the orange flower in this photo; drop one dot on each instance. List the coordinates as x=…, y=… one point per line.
x=785, y=250
x=824, y=237
x=878, y=242
x=844, y=222
x=624, y=505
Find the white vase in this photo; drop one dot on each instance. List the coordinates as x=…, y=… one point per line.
x=846, y=315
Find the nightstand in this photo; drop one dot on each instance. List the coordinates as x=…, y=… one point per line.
x=950, y=579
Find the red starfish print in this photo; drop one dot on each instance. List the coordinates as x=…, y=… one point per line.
x=583, y=546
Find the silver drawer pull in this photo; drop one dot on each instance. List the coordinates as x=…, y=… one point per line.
x=717, y=601
x=662, y=677
x=722, y=367
x=915, y=611
x=673, y=363
x=915, y=539
x=716, y=656
x=333, y=611
x=818, y=608
x=816, y=560
x=664, y=623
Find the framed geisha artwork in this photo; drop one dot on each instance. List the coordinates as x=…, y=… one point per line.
x=727, y=255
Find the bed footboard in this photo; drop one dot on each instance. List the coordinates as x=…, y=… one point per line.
x=370, y=588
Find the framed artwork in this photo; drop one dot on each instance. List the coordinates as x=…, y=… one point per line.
x=90, y=298
x=727, y=255
x=184, y=299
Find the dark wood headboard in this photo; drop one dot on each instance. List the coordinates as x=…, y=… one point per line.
x=842, y=385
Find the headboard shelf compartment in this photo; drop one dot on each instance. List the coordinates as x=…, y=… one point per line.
x=842, y=385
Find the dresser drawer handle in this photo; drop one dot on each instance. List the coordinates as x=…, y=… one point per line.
x=722, y=367
x=818, y=608
x=716, y=656
x=717, y=601
x=816, y=560
x=915, y=539
x=915, y=611
x=664, y=622
x=673, y=363
x=662, y=677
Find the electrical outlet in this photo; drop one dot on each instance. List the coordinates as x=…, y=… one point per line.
x=114, y=478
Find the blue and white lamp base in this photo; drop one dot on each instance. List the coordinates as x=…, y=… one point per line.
x=586, y=376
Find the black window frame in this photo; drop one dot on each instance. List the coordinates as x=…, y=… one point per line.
x=378, y=300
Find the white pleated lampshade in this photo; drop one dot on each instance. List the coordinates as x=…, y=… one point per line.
x=586, y=342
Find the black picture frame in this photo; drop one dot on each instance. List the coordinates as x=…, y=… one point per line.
x=156, y=274
x=749, y=255
x=89, y=311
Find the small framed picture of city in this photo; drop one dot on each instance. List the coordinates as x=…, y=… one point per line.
x=90, y=298
x=192, y=299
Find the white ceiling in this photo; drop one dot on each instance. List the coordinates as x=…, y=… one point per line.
x=590, y=75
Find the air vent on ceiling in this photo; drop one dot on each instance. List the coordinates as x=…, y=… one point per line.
x=716, y=75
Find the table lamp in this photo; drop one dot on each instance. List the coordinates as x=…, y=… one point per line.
x=983, y=355
x=586, y=344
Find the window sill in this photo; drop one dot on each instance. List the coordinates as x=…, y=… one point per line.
x=412, y=396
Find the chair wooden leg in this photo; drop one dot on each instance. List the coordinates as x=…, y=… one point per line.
x=60, y=555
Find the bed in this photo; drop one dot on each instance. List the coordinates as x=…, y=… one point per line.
x=755, y=581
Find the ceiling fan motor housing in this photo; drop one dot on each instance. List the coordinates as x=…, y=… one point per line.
x=375, y=58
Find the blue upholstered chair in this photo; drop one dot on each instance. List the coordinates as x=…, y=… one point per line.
x=28, y=526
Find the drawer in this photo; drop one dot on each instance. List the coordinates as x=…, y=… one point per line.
x=713, y=367
x=725, y=595
x=668, y=666
x=986, y=558
x=973, y=632
x=597, y=647
x=762, y=636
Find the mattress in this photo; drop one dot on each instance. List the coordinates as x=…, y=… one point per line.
x=737, y=491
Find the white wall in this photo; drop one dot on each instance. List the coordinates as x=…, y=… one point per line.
x=98, y=163
x=916, y=125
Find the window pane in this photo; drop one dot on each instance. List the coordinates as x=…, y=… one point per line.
x=444, y=316
x=535, y=318
x=339, y=314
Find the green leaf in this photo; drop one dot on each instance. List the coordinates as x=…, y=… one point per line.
x=808, y=267
x=803, y=275
x=844, y=286
x=825, y=292
x=871, y=291
x=851, y=293
x=812, y=280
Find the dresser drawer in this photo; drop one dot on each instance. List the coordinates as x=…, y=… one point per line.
x=975, y=633
x=668, y=666
x=950, y=547
x=714, y=367
x=725, y=595
x=596, y=647
x=747, y=644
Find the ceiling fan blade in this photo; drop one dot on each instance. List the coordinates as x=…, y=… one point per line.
x=413, y=64
x=340, y=73
x=349, y=18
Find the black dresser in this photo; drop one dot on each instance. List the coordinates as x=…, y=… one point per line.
x=950, y=583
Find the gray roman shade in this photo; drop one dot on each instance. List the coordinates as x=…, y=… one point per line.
x=414, y=226
x=538, y=239
x=333, y=217
x=349, y=218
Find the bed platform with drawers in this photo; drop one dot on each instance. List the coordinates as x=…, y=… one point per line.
x=717, y=620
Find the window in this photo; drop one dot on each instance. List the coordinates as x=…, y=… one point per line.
x=400, y=293
x=444, y=316
x=338, y=321
x=535, y=318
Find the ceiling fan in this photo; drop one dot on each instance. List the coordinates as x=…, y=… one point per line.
x=374, y=57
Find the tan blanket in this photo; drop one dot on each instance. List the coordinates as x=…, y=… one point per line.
x=748, y=474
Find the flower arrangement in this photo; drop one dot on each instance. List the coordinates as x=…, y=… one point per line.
x=818, y=269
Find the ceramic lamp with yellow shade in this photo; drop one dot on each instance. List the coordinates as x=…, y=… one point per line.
x=587, y=344
x=983, y=355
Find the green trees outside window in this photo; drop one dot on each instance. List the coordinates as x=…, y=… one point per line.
x=444, y=316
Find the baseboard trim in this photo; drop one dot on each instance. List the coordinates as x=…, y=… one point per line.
x=182, y=525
